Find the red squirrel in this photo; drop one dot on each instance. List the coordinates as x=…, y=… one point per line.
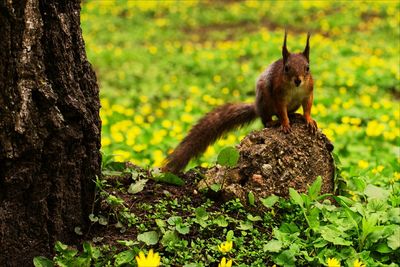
x=281, y=89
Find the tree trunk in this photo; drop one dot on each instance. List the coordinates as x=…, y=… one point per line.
x=49, y=128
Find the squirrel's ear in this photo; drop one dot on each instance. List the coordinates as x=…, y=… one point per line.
x=285, y=52
x=306, y=51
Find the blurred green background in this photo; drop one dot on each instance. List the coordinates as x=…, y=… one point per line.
x=161, y=65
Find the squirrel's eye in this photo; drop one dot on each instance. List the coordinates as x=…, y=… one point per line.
x=307, y=68
x=286, y=68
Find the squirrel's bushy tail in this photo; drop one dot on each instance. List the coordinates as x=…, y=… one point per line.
x=211, y=127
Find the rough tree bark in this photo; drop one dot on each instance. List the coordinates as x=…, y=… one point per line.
x=49, y=128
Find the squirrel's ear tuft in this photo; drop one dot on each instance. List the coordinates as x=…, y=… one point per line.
x=306, y=51
x=285, y=52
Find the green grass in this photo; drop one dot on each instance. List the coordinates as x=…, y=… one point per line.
x=163, y=65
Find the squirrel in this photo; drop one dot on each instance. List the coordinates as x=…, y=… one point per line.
x=280, y=90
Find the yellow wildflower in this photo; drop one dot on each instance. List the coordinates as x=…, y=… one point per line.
x=187, y=118
x=346, y=119
x=117, y=136
x=374, y=128
x=105, y=141
x=152, y=49
x=332, y=262
x=355, y=121
x=139, y=147
x=152, y=259
x=204, y=164
x=121, y=155
x=363, y=164
x=166, y=123
x=143, y=98
x=225, y=263
x=225, y=247
x=358, y=263
x=158, y=156
x=138, y=119
x=378, y=169
x=225, y=90
x=217, y=78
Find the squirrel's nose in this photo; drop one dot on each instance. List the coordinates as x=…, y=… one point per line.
x=297, y=81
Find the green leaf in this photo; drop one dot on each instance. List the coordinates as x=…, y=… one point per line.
x=60, y=247
x=78, y=230
x=270, y=201
x=228, y=157
x=251, y=198
x=230, y=235
x=201, y=214
x=170, y=238
x=93, y=218
x=115, y=166
x=289, y=228
x=344, y=201
x=296, y=197
x=161, y=224
x=273, y=246
x=358, y=183
x=254, y=218
x=114, y=201
x=313, y=218
x=216, y=187
x=244, y=226
x=103, y=220
x=137, y=187
x=383, y=248
x=149, y=238
x=220, y=221
x=286, y=258
x=169, y=178
x=394, y=240
x=182, y=229
x=320, y=243
x=128, y=243
x=315, y=188
x=124, y=257
x=372, y=191
x=334, y=235
x=174, y=220
x=42, y=262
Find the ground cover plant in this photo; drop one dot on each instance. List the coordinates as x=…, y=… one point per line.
x=161, y=65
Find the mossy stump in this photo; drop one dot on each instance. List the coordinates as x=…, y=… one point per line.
x=271, y=162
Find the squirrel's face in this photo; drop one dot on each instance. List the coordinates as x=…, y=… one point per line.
x=296, y=67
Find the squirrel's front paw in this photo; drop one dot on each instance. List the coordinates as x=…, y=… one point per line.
x=286, y=128
x=311, y=124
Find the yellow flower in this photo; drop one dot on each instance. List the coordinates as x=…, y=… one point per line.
x=358, y=263
x=152, y=259
x=332, y=262
x=363, y=164
x=225, y=247
x=378, y=169
x=225, y=263
x=121, y=155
